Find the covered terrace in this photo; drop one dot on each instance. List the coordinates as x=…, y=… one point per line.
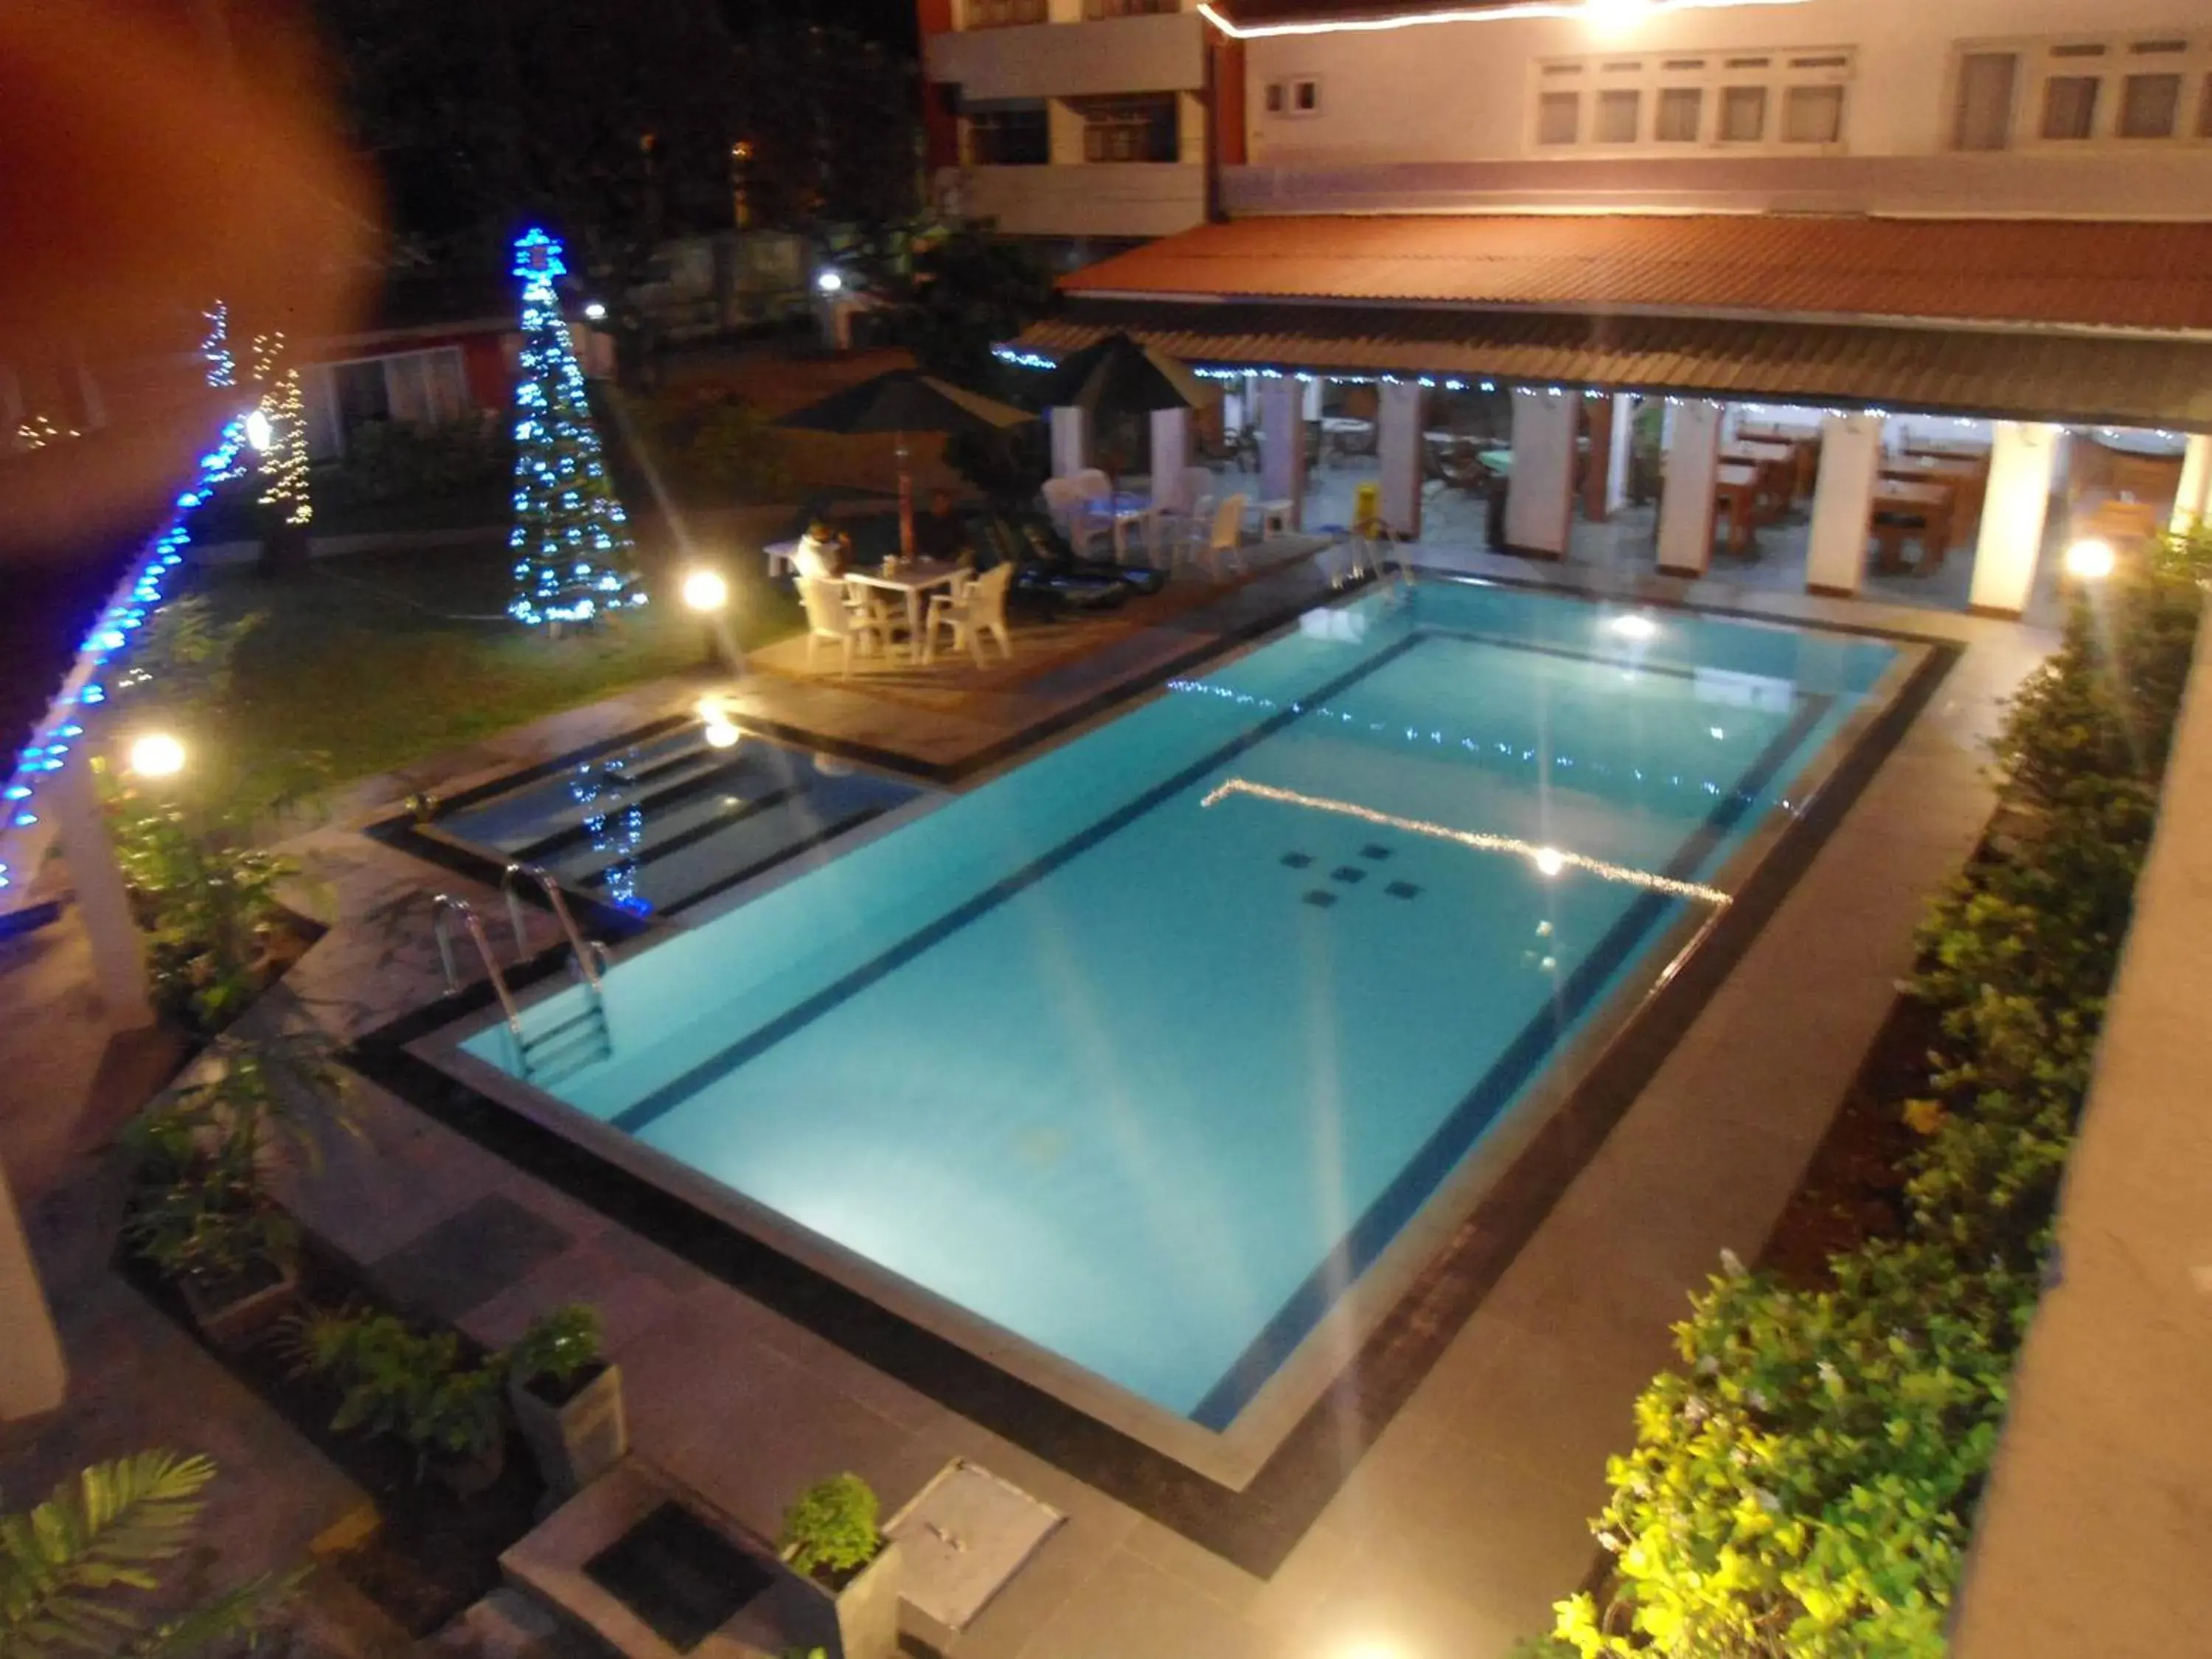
x=1929, y=411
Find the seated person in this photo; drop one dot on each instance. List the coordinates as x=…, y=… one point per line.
x=823, y=553
x=940, y=533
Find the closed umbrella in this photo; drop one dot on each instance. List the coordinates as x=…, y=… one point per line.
x=902, y=401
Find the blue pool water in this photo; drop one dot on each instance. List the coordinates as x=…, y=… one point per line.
x=1145, y=1079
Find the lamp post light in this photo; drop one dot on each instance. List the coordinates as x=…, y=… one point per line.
x=154, y=755
x=2090, y=560
x=707, y=591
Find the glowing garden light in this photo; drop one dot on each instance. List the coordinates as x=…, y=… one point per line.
x=154, y=755
x=2089, y=561
x=721, y=735
x=705, y=591
x=829, y=282
x=595, y=312
x=259, y=434
x=574, y=557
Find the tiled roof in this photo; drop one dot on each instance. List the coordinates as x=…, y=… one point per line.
x=2061, y=272
x=2122, y=381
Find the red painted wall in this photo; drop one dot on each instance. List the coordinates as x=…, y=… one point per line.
x=940, y=128
x=1228, y=101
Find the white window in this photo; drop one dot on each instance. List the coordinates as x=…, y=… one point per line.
x=2072, y=91
x=1617, y=112
x=1981, y=118
x=425, y=387
x=1294, y=95
x=1743, y=115
x=1774, y=101
x=1558, y=118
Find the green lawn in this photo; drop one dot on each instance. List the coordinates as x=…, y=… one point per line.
x=381, y=659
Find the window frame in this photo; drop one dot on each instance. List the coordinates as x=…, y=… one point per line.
x=1279, y=97
x=1013, y=14
x=2111, y=60
x=1096, y=121
x=1662, y=78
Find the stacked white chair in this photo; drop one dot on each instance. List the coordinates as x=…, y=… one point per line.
x=832, y=615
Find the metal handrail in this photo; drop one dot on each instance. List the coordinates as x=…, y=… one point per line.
x=588, y=955
x=447, y=907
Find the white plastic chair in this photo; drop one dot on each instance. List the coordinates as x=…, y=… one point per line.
x=972, y=609
x=832, y=615
x=1179, y=515
x=1184, y=538
x=1225, y=546
x=1068, y=500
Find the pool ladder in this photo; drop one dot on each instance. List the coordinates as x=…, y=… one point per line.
x=582, y=1040
x=1370, y=557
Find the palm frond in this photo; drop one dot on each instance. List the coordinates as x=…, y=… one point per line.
x=241, y=1613
x=103, y=1531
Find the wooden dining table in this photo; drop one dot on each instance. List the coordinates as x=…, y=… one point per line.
x=1966, y=482
x=1778, y=470
x=1735, y=492
x=1804, y=449
x=1931, y=503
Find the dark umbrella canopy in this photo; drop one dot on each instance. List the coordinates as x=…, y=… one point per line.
x=1121, y=375
x=902, y=401
x=905, y=400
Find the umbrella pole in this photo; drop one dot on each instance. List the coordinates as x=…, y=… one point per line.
x=906, y=502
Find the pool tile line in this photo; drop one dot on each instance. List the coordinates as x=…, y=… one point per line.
x=644, y=1113
x=1255, y=1529
x=1494, y=1092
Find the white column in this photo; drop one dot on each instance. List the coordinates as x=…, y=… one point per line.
x=1171, y=455
x=1540, y=499
x=1398, y=453
x=1850, y=460
x=33, y=1377
x=1283, y=445
x=1069, y=441
x=1623, y=441
x=1309, y=398
x=2013, y=508
x=103, y=905
x=2194, y=501
x=1686, y=506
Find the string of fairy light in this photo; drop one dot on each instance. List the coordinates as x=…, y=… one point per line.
x=574, y=557
x=105, y=646
x=283, y=461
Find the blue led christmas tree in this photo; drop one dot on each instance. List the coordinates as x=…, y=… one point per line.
x=574, y=557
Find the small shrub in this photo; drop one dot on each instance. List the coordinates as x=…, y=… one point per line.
x=396, y=460
x=832, y=1526
x=1807, y=1483
x=557, y=1347
x=404, y=1382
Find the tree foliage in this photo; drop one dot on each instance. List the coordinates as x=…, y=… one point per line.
x=1806, y=1484
x=81, y=1573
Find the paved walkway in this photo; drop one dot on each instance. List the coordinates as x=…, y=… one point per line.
x=1454, y=1530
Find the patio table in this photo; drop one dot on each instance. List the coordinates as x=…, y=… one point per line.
x=914, y=579
x=1735, y=491
x=1967, y=481
x=1121, y=509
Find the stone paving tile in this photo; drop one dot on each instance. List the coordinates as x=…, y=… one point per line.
x=473, y=1255
x=1131, y=1606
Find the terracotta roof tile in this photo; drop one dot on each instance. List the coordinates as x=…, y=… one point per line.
x=2142, y=276
x=2115, y=378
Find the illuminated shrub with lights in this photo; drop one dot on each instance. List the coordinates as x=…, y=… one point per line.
x=1806, y=1484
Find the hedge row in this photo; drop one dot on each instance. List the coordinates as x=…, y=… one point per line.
x=1806, y=1484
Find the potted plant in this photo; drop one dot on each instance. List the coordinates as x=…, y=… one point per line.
x=200, y=1217
x=568, y=1401
x=413, y=1386
x=831, y=1538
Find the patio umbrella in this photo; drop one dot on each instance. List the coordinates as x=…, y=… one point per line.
x=1123, y=375
x=902, y=401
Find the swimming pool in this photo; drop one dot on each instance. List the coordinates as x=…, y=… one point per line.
x=1134, y=1060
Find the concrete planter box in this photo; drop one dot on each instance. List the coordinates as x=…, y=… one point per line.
x=577, y=1439
x=866, y=1610
x=234, y=1322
